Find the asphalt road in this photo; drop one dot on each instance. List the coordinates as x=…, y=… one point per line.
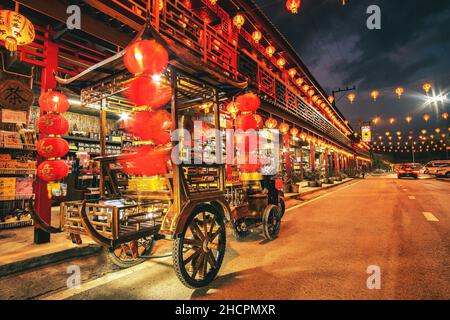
x=323, y=251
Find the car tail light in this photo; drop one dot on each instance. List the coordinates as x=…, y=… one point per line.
x=416, y=171
x=401, y=171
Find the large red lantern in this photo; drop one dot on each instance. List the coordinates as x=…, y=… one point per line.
x=248, y=102
x=147, y=161
x=246, y=122
x=146, y=56
x=52, y=123
x=152, y=125
x=53, y=101
x=144, y=91
x=52, y=147
x=52, y=170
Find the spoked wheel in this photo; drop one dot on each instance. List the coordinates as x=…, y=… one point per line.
x=282, y=206
x=131, y=253
x=199, y=250
x=271, y=222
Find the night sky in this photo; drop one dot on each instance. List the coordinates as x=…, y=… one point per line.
x=413, y=46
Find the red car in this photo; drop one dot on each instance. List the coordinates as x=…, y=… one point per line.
x=408, y=171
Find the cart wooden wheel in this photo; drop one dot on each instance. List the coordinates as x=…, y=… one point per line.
x=131, y=253
x=271, y=222
x=199, y=250
x=282, y=206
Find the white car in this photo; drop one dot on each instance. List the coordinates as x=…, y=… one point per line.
x=443, y=172
x=433, y=167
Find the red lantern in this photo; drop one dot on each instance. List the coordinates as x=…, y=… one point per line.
x=248, y=102
x=146, y=56
x=147, y=161
x=271, y=123
x=246, y=122
x=52, y=147
x=284, y=128
x=293, y=5
x=152, y=125
x=52, y=123
x=144, y=91
x=52, y=170
x=247, y=166
x=53, y=101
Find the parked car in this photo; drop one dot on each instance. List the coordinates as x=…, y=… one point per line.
x=408, y=170
x=437, y=165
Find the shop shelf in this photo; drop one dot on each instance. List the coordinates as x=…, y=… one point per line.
x=18, y=146
x=17, y=171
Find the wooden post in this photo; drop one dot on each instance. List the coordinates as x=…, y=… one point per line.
x=312, y=156
x=43, y=202
x=287, y=145
x=102, y=145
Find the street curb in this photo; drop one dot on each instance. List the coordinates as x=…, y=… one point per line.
x=36, y=262
x=317, y=190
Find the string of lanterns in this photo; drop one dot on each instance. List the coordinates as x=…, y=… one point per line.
x=399, y=91
x=247, y=123
x=147, y=59
x=432, y=142
x=52, y=146
x=408, y=119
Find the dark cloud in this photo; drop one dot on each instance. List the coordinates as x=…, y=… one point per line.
x=412, y=47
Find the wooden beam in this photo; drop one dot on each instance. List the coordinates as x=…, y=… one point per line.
x=107, y=9
x=56, y=9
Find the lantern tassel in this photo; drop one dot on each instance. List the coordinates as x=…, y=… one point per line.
x=11, y=44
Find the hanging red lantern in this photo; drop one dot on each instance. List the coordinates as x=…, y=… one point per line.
x=239, y=21
x=256, y=36
x=53, y=101
x=151, y=125
x=270, y=51
x=52, y=123
x=294, y=132
x=293, y=5
x=284, y=128
x=271, y=123
x=144, y=91
x=281, y=62
x=233, y=108
x=146, y=56
x=147, y=161
x=246, y=122
x=248, y=102
x=52, y=147
x=52, y=170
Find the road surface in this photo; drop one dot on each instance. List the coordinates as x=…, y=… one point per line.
x=324, y=250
